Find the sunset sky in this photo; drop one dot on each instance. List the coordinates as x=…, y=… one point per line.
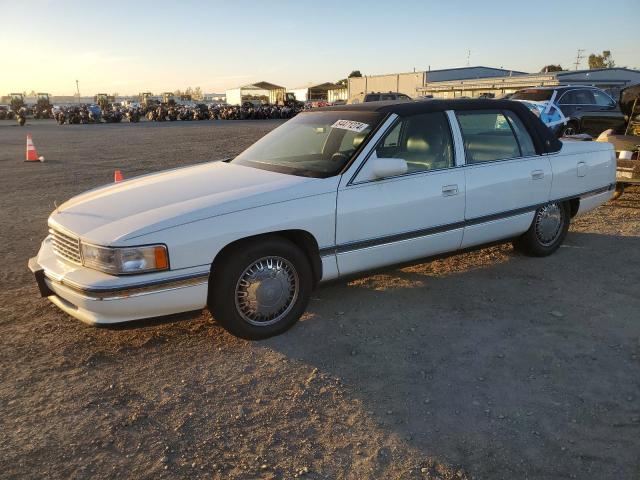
x=133, y=46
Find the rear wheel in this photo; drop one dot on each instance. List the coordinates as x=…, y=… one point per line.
x=260, y=289
x=547, y=231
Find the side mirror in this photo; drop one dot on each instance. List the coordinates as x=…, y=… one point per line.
x=388, y=167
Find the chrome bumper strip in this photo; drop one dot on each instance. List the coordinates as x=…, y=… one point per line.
x=133, y=290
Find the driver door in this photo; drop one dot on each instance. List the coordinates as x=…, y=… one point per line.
x=384, y=221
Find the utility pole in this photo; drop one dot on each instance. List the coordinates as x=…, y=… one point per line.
x=78, y=91
x=579, y=57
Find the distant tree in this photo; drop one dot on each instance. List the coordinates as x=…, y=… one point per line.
x=177, y=93
x=189, y=91
x=342, y=82
x=355, y=73
x=32, y=93
x=551, y=68
x=601, y=61
x=197, y=93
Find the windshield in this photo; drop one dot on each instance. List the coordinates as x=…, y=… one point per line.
x=312, y=144
x=534, y=95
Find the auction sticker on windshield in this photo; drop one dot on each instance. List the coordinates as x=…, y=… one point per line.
x=350, y=125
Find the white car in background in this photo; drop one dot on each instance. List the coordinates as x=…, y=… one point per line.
x=329, y=193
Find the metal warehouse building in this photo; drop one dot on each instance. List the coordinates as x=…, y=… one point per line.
x=314, y=93
x=262, y=91
x=412, y=83
x=611, y=79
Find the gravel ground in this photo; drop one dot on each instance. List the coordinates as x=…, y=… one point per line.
x=486, y=365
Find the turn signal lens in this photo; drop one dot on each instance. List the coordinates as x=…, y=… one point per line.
x=162, y=261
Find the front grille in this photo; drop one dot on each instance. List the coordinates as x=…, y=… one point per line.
x=66, y=246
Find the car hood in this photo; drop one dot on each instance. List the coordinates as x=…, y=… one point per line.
x=627, y=97
x=119, y=212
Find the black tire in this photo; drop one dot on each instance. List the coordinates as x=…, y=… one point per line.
x=544, y=238
x=618, y=192
x=571, y=128
x=226, y=287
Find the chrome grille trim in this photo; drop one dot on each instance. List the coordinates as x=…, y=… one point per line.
x=66, y=246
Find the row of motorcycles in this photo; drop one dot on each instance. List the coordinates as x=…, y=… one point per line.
x=85, y=114
x=172, y=113
x=20, y=115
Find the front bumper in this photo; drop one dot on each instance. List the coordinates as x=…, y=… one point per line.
x=97, y=298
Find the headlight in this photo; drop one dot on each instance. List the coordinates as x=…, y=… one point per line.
x=125, y=260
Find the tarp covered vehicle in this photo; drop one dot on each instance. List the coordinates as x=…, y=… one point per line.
x=627, y=141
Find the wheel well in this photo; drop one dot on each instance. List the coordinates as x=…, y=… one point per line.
x=301, y=238
x=574, y=205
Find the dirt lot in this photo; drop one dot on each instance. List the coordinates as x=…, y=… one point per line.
x=487, y=365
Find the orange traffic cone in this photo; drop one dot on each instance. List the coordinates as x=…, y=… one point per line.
x=32, y=155
x=117, y=176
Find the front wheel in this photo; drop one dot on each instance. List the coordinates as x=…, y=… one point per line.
x=260, y=289
x=547, y=231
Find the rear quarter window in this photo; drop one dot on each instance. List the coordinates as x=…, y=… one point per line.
x=524, y=139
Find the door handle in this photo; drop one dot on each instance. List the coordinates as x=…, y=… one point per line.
x=582, y=169
x=537, y=174
x=449, y=190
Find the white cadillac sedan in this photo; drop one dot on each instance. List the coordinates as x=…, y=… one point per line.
x=329, y=193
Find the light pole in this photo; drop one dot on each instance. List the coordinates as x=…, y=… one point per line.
x=78, y=91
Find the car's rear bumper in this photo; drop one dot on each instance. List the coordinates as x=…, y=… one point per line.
x=122, y=299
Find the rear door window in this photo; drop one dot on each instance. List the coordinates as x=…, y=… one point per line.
x=602, y=99
x=488, y=136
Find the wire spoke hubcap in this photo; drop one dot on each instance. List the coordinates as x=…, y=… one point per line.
x=549, y=220
x=267, y=290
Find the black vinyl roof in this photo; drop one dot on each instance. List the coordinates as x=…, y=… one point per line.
x=544, y=139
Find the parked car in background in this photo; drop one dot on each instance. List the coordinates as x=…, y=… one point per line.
x=328, y=194
x=378, y=97
x=587, y=109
